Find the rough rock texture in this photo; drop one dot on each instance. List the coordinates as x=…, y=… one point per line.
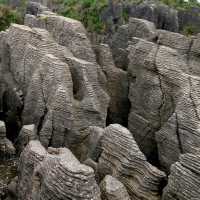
x=184, y=179
x=27, y=133
x=39, y=172
x=164, y=79
x=160, y=14
x=117, y=86
x=112, y=189
x=63, y=93
x=122, y=158
x=7, y=150
x=119, y=40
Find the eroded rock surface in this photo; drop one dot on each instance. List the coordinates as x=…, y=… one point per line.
x=112, y=189
x=122, y=158
x=39, y=172
x=184, y=179
x=59, y=90
x=164, y=78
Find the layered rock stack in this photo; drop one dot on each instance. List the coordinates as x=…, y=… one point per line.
x=122, y=158
x=58, y=93
x=55, y=174
x=184, y=180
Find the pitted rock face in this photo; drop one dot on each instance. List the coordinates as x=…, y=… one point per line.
x=7, y=150
x=122, y=159
x=164, y=96
x=112, y=189
x=184, y=179
x=40, y=170
x=62, y=92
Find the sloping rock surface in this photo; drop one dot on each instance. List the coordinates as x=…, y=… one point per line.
x=122, y=158
x=55, y=174
x=184, y=179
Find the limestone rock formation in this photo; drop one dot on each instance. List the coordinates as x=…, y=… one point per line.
x=117, y=86
x=63, y=92
x=7, y=150
x=184, y=179
x=55, y=174
x=120, y=39
x=112, y=189
x=160, y=14
x=122, y=158
x=164, y=78
x=27, y=133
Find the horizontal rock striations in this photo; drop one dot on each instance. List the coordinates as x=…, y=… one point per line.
x=184, y=179
x=116, y=85
x=55, y=174
x=62, y=92
x=122, y=158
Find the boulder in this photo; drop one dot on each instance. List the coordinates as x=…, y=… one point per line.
x=112, y=189
x=122, y=159
x=63, y=93
x=40, y=170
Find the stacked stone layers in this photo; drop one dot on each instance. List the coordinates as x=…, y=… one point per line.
x=122, y=158
x=112, y=189
x=62, y=92
x=164, y=79
x=55, y=174
x=7, y=150
x=184, y=179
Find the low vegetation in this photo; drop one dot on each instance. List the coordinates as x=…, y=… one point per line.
x=8, y=16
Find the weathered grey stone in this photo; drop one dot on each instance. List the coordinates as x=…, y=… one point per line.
x=112, y=189
x=184, y=179
x=67, y=32
x=59, y=90
x=122, y=158
x=26, y=134
x=29, y=159
x=174, y=41
x=117, y=86
x=119, y=42
x=39, y=172
x=164, y=83
x=160, y=14
x=7, y=150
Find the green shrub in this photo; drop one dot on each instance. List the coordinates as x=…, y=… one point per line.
x=8, y=16
x=86, y=11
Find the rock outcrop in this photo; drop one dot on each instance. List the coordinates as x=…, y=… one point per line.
x=54, y=174
x=122, y=158
x=60, y=90
x=112, y=189
x=184, y=179
x=163, y=93
x=7, y=150
x=160, y=14
x=116, y=85
x=120, y=39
